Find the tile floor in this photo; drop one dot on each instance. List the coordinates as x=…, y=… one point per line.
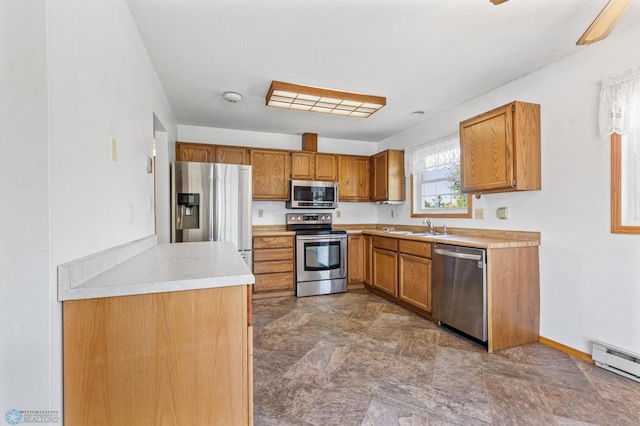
x=356, y=359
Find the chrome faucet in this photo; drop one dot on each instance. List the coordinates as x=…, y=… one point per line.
x=429, y=224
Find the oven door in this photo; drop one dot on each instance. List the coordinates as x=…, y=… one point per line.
x=321, y=257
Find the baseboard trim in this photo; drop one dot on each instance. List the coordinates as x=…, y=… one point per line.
x=566, y=349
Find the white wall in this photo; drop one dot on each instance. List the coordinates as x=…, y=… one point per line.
x=73, y=75
x=589, y=277
x=274, y=211
x=102, y=86
x=24, y=209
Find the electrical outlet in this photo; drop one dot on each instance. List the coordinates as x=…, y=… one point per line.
x=479, y=214
x=392, y=214
x=502, y=213
x=338, y=214
x=260, y=213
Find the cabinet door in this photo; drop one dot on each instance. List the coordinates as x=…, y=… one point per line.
x=414, y=280
x=353, y=178
x=326, y=167
x=271, y=171
x=198, y=152
x=355, y=259
x=232, y=154
x=283, y=281
x=385, y=265
x=387, y=176
x=367, y=259
x=114, y=347
x=486, y=151
x=379, y=177
x=302, y=165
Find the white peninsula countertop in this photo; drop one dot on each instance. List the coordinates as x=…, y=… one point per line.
x=153, y=268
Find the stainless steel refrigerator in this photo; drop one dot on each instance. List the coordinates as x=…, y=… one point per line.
x=212, y=202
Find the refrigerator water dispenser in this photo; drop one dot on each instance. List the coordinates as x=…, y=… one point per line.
x=188, y=214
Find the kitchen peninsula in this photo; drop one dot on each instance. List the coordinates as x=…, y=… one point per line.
x=158, y=334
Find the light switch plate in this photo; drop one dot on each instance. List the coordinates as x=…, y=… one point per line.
x=114, y=150
x=479, y=214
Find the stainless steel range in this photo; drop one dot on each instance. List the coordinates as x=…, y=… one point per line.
x=321, y=254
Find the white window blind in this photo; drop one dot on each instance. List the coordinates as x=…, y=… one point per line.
x=435, y=168
x=620, y=104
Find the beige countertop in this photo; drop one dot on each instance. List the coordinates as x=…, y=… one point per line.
x=479, y=241
x=156, y=268
x=481, y=238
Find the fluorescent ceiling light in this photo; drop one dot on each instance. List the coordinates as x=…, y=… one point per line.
x=317, y=99
x=604, y=22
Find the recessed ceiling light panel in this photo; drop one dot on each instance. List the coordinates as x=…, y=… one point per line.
x=328, y=101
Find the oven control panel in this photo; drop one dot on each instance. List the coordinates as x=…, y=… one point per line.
x=309, y=218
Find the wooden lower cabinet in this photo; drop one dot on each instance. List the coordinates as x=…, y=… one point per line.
x=182, y=357
x=414, y=273
x=355, y=260
x=401, y=272
x=367, y=241
x=273, y=263
x=513, y=297
x=385, y=265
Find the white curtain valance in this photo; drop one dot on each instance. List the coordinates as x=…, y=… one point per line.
x=416, y=154
x=620, y=104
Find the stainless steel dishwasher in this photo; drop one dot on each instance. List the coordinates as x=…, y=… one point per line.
x=460, y=288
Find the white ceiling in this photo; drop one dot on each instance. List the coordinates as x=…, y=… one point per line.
x=427, y=55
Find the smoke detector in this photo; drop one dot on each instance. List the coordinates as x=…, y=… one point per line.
x=232, y=97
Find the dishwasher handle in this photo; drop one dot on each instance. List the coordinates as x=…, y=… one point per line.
x=458, y=255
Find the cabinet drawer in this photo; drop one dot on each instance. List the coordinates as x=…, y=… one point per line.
x=269, y=282
x=272, y=242
x=271, y=267
x=273, y=254
x=385, y=243
x=417, y=248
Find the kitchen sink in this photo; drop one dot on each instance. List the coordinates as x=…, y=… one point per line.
x=418, y=234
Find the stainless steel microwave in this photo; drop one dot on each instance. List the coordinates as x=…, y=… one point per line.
x=312, y=194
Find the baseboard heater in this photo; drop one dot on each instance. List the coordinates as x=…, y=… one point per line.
x=617, y=360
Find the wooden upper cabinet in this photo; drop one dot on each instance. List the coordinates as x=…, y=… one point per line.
x=271, y=174
x=353, y=178
x=205, y=153
x=232, y=154
x=387, y=176
x=500, y=150
x=314, y=166
x=326, y=167
x=198, y=152
x=302, y=165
